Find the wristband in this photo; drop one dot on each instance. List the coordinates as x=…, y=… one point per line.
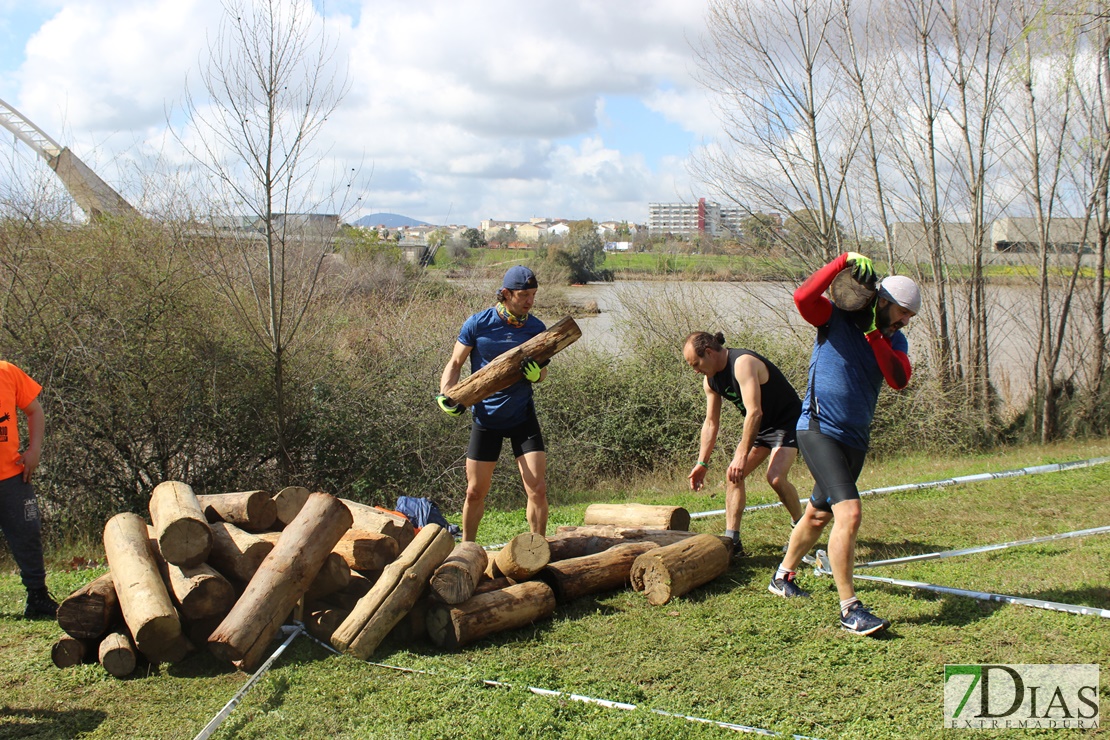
x=703, y=464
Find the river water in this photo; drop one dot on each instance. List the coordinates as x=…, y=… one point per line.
x=628, y=307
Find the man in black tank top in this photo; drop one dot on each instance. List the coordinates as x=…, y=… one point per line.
x=771, y=408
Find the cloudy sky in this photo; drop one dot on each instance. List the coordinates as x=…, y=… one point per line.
x=457, y=110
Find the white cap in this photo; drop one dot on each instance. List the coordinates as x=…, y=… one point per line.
x=901, y=290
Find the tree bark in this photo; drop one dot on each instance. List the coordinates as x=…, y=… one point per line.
x=200, y=592
x=89, y=611
x=237, y=554
x=282, y=578
x=253, y=511
x=591, y=574
x=143, y=598
x=504, y=370
x=184, y=537
x=638, y=515
x=455, y=580
x=523, y=557
x=394, y=594
x=508, y=608
x=117, y=654
x=671, y=571
x=661, y=537
x=367, y=550
x=288, y=502
x=371, y=519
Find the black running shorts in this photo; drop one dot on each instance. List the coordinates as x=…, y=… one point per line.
x=485, y=444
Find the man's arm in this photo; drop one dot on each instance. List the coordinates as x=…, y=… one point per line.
x=747, y=371
x=810, y=298
x=36, y=431
x=709, y=429
x=450, y=377
x=894, y=364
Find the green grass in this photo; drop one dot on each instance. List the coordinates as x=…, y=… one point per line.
x=728, y=651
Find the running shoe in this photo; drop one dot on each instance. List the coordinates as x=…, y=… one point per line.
x=786, y=588
x=862, y=622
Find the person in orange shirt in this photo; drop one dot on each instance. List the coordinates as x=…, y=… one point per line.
x=19, y=510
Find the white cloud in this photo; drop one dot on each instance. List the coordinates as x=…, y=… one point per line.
x=486, y=107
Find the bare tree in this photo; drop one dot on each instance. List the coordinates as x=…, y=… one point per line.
x=271, y=85
x=792, y=136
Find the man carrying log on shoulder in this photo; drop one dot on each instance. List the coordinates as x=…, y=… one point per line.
x=770, y=406
x=852, y=356
x=509, y=413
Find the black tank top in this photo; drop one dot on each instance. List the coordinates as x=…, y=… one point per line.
x=781, y=405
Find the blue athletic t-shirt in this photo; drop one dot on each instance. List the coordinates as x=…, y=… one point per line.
x=844, y=381
x=488, y=336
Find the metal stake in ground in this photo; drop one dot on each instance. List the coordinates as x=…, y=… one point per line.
x=230, y=706
x=824, y=569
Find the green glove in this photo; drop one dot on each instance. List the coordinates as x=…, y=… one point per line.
x=867, y=317
x=530, y=369
x=447, y=407
x=863, y=270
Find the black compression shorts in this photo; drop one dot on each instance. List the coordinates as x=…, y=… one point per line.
x=772, y=438
x=485, y=444
x=835, y=467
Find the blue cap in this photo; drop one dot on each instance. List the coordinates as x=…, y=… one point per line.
x=519, y=277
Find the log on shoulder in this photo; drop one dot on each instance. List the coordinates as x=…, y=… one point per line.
x=281, y=580
x=489, y=613
x=638, y=515
x=180, y=526
x=671, y=571
x=504, y=370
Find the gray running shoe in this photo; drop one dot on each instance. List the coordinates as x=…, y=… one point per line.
x=786, y=588
x=862, y=622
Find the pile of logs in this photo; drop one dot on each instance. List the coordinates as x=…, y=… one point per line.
x=226, y=571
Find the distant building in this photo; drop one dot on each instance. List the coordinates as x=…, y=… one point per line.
x=1006, y=240
x=703, y=217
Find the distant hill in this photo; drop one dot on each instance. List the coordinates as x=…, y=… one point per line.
x=389, y=220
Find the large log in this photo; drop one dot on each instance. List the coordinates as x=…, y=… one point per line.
x=590, y=574
x=334, y=576
x=117, y=654
x=91, y=610
x=674, y=570
x=373, y=519
x=367, y=550
x=253, y=511
x=455, y=580
x=394, y=593
x=661, y=537
x=288, y=502
x=638, y=515
x=143, y=598
x=504, y=370
x=199, y=592
x=69, y=651
x=523, y=556
x=280, y=581
x=237, y=553
x=485, y=614
x=180, y=526
x=322, y=623
x=347, y=597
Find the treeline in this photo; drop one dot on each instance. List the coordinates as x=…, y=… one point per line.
x=149, y=375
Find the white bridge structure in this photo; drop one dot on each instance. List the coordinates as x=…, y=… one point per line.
x=95, y=197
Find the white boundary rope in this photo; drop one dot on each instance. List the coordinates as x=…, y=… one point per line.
x=976, y=478
x=983, y=548
x=823, y=569
x=608, y=703
x=216, y=721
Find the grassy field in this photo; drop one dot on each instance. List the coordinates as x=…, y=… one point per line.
x=728, y=651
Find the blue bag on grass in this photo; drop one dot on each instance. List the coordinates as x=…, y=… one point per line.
x=423, y=511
